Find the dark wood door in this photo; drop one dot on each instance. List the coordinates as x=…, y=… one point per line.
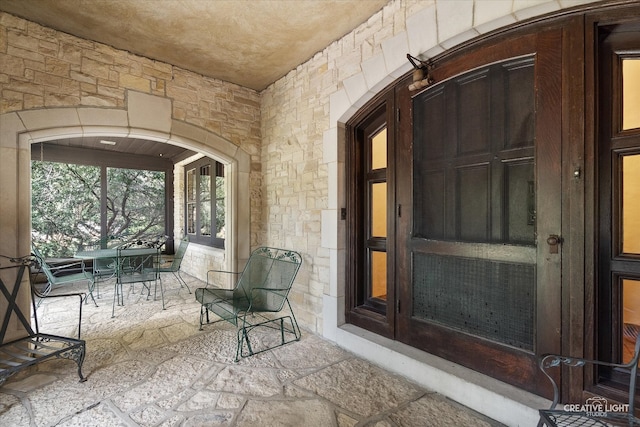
x=482, y=241
x=617, y=299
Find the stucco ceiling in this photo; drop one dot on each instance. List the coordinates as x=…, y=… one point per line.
x=248, y=42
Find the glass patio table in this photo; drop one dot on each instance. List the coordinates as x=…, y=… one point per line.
x=127, y=265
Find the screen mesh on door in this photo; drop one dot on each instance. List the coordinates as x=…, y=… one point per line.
x=490, y=299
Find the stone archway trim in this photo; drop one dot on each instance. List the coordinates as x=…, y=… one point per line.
x=18, y=130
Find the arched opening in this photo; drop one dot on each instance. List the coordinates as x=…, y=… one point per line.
x=20, y=130
x=231, y=165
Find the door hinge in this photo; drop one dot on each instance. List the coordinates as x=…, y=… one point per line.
x=399, y=211
x=398, y=306
x=398, y=115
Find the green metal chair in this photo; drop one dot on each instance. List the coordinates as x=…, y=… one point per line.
x=174, y=266
x=136, y=265
x=260, y=293
x=59, y=275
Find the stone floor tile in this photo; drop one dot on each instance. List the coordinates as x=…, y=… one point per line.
x=152, y=367
x=208, y=420
x=31, y=383
x=100, y=415
x=247, y=381
x=434, y=411
x=230, y=401
x=286, y=414
x=13, y=412
x=345, y=421
x=203, y=399
x=310, y=352
x=148, y=416
x=360, y=387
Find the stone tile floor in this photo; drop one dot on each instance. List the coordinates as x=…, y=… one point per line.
x=153, y=367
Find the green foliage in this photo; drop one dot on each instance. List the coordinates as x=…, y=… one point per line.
x=66, y=206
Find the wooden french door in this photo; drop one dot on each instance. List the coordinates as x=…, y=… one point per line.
x=618, y=175
x=479, y=249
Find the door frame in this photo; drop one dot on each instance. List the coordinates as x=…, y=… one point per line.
x=586, y=384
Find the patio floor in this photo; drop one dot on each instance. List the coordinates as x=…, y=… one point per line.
x=153, y=367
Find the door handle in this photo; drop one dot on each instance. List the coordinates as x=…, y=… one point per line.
x=553, y=241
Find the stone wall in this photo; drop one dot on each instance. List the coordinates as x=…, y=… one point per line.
x=43, y=69
x=298, y=165
x=302, y=146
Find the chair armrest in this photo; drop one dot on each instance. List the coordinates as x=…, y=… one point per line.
x=549, y=361
x=81, y=295
x=61, y=267
x=35, y=291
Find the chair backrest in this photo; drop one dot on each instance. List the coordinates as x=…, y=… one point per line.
x=177, y=258
x=267, y=278
x=42, y=265
x=138, y=264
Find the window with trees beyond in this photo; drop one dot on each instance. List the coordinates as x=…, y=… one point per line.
x=205, y=202
x=66, y=201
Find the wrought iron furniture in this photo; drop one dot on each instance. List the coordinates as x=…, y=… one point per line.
x=33, y=346
x=174, y=266
x=595, y=411
x=132, y=264
x=136, y=264
x=103, y=268
x=259, y=294
x=59, y=275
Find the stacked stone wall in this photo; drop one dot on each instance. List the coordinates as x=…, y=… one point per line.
x=44, y=68
x=41, y=68
x=295, y=117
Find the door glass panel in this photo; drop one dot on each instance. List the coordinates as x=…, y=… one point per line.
x=220, y=207
x=191, y=201
x=631, y=204
x=379, y=275
x=630, y=317
x=630, y=93
x=379, y=209
x=379, y=150
x=205, y=200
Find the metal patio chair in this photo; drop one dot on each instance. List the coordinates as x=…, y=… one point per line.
x=103, y=268
x=58, y=275
x=258, y=297
x=136, y=265
x=596, y=411
x=174, y=266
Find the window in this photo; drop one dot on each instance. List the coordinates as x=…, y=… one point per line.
x=205, y=202
x=67, y=200
x=618, y=288
x=371, y=218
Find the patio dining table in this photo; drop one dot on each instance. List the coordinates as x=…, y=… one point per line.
x=127, y=265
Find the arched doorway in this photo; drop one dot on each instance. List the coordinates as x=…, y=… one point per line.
x=146, y=118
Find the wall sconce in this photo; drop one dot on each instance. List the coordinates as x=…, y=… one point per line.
x=421, y=73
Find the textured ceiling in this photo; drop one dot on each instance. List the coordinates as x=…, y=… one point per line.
x=248, y=42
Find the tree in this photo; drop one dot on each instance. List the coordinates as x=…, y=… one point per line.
x=66, y=201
